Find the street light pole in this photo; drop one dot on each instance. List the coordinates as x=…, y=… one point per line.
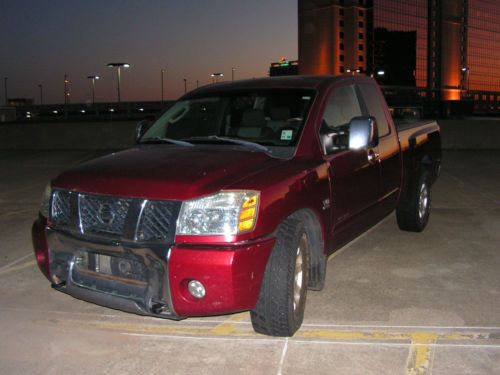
x=41, y=93
x=66, y=89
x=232, y=73
x=118, y=66
x=93, y=78
x=466, y=70
x=185, y=85
x=5, y=89
x=162, y=73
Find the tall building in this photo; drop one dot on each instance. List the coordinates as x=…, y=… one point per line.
x=446, y=49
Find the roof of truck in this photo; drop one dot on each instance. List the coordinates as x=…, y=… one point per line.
x=297, y=82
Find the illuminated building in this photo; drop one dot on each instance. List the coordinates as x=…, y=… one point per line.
x=445, y=49
x=284, y=67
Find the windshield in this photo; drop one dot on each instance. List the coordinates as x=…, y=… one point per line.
x=268, y=118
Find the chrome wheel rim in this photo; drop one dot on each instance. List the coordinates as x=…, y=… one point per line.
x=298, y=283
x=423, y=202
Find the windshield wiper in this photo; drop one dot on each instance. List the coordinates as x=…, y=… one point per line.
x=158, y=140
x=236, y=141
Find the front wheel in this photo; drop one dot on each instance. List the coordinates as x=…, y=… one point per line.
x=413, y=213
x=282, y=298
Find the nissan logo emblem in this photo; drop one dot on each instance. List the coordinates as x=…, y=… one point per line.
x=105, y=214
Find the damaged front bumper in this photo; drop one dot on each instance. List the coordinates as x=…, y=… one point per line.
x=124, y=276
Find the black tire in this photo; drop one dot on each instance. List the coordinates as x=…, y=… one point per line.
x=282, y=298
x=413, y=212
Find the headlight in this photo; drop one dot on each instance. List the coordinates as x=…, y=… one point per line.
x=225, y=213
x=45, y=205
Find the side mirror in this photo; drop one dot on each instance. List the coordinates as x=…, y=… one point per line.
x=363, y=133
x=141, y=128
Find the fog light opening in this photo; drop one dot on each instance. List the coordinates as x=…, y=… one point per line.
x=196, y=289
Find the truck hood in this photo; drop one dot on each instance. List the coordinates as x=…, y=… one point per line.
x=166, y=171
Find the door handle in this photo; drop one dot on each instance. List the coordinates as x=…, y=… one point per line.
x=373, y=156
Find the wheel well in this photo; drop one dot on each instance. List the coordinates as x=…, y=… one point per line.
x=317, y=267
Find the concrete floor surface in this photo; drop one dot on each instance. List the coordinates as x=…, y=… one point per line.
x=393, y=303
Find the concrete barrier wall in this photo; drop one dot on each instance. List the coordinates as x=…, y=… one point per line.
x=473, y=134
x=470, y=134
x=67, y=136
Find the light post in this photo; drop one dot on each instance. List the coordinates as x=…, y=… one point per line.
x=197, y=83
x=93, y=79
x=118, y=67
x=162, y=98
x=185, y=85
x=232, y=73
x=466, y=70
x=215, y=77
x=5, y=90
x=40, y=86
x=66, y=93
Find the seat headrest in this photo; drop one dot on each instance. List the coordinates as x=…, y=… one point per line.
x=279, y=113
x=253, y=118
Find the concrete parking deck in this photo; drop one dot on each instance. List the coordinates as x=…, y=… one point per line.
x=394, y=302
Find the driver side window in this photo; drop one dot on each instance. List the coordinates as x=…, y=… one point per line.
x=342, y=106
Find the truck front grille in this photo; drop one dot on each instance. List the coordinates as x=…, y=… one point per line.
x=116, y=217
x=156, y=221
x=103, y=214
x=60, y=212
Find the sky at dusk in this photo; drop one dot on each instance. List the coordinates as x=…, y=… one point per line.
x=41, y=40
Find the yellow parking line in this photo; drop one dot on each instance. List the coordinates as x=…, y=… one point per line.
x=228, y=327
x=420, y=353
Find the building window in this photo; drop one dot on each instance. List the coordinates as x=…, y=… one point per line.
x=341, y=23
x=341, y=57
x=341, y=46
x=361, y=35
x=360, y=47
x=341, y=12
x=341, y=35
x=361, y=13
x=360, y=58
x=341, y=69
x=361, y=24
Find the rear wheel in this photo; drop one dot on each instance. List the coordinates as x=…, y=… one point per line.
x=281, y=304
x=413, y=213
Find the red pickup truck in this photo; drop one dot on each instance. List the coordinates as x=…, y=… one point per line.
x=234, y=199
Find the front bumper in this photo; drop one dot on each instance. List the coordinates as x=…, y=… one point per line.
x=121, y=276
x=231, y=274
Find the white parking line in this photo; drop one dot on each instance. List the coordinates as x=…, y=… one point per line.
x=15, y=262
x=283, y=356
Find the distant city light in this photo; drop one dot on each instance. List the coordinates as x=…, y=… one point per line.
x=55, y=111
x=381, y=73
x=111, y=109
x=82, y=111
x=140, y=109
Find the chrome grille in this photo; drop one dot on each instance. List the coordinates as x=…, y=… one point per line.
x=103, y=214
x=157, y=221
x=60, y=211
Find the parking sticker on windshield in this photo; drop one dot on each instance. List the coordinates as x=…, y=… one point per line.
x=286, y=135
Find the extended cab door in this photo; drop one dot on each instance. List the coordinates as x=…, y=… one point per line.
x=388, y=154
x=354, y=178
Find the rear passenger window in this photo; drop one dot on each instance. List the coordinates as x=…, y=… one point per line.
x=342, y=106
x=374, y=107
